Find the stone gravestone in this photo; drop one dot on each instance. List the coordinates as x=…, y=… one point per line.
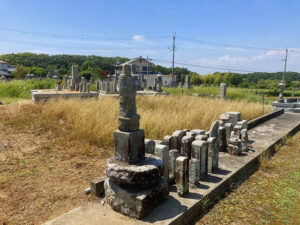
x=187, y=83
x=223, y=87
x=134, y=185
x=159, y=83
x=56, y=75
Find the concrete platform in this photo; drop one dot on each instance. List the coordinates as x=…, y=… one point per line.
x=184, y=210
x=47, y=94
x=288, y=105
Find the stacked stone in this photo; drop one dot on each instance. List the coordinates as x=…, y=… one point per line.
x=134, y=185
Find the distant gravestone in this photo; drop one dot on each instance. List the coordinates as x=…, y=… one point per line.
x=223, y=87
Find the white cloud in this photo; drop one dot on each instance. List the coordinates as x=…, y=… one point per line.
x=138, y=37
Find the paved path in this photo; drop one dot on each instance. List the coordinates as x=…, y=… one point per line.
x=182, y=210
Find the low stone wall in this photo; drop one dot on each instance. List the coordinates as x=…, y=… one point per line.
x=43, y=96
x=255, y=122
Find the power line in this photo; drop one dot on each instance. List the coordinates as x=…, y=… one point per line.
x=207, y=66
x=227, y=45
x=55, y=35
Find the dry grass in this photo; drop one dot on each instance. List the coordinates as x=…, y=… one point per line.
x=93, y=121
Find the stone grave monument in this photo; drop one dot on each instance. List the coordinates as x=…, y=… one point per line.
x=223, y=87
x=134, y=185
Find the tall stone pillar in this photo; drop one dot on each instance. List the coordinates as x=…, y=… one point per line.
x=134, y=185
x=223, y=87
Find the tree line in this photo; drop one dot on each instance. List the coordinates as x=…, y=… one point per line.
x=40, y=64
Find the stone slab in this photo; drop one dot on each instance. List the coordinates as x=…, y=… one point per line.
x=46, y=95
x=183, y=210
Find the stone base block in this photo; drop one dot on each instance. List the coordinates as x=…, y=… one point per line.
x=129, y=146
x=134, y=203
x=144, y=174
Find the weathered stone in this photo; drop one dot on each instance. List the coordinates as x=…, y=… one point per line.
x=162, y=151
x=228, y=129
x=223, y=87
x=189, y=133
x=186, y=146
x=149, y=146
x=213, y=131
x=175, y=140
x=173, y=155
x=88, y=87
x=222, y=139
x=129, y=146
x=182, y=175
x=200, y=151
x=234, y=149
x=167, y=140
x=201, y=137
x=97, y=186
x=145, y=174
x=243, y=124
x=213, y=155
x=194, y=172
x=159, y=142
x=237, y=129
x=244, y=139
x=134, y=203
x=128, y=118
x=235, y=117
x=198, y=132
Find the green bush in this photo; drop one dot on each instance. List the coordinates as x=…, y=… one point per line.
x=22, y=88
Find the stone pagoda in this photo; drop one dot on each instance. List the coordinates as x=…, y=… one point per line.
x=134, y=185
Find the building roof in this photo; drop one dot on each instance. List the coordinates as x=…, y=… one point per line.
x=4, y=72
x=3, y=62
x=136, y=59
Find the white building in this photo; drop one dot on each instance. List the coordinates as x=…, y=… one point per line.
x=6, y=69
x=143, y=67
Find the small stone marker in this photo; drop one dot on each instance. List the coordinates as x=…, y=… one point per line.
x=149, y=146
x=182, y=175
x=173, y=155
x=228, y=130
x=194, y=172
x=97, y=186
x=200, y=151
x=244, y=139
x=162, y=151
x=186, y=146
x=167, y=140
x=175, y=140
x=213, y=155
x=222, y=139
x=213, y=131
x=223, y=87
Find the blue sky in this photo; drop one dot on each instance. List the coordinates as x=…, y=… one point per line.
x=213, y=33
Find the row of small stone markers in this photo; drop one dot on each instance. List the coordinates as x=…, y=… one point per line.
x=74, y=83
x=189, y=155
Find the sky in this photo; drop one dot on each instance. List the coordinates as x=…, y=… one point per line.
x=211, y=35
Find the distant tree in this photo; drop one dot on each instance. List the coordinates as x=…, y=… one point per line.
x=20, y=72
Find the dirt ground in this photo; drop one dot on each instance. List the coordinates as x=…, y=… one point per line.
x=43, y=176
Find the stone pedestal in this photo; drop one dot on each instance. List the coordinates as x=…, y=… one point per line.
x=134, y=185
x=129, y=146
x=134, y=203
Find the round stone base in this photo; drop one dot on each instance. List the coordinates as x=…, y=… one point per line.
x=141, y=175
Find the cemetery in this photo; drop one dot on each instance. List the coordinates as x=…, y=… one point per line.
x=172, y=180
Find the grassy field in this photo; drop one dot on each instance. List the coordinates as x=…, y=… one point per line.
x=95, y=120
x=55, y=149
x=270, y=196
x=19, y=89
x=251, y=95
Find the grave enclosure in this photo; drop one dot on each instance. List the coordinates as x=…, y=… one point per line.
x=141, y=171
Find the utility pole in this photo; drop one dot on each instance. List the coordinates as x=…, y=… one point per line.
x=285, y=62
x=173, y=59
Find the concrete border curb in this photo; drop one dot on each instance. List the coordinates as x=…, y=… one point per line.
x=259, y=120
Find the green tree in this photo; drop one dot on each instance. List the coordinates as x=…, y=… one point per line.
x=20, y=72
